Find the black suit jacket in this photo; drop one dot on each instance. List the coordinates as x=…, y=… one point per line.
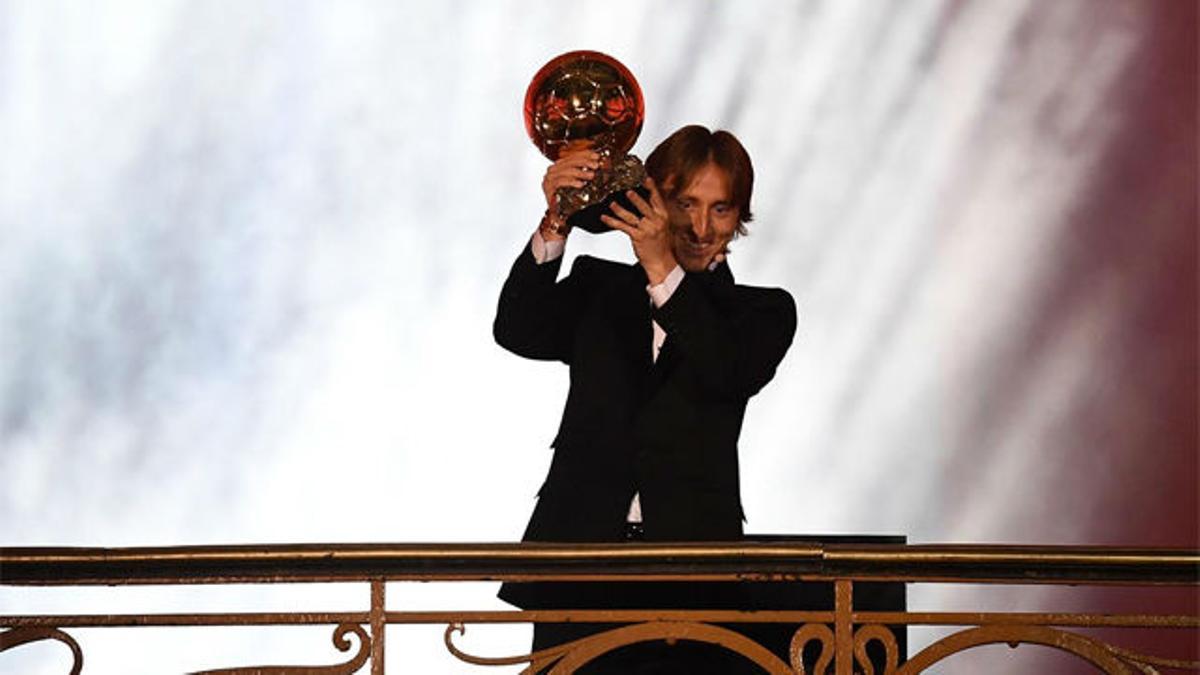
x=664, y=429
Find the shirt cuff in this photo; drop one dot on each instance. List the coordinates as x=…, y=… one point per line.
x=660, y=293
x=545, y=251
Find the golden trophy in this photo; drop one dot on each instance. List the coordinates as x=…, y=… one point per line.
x=588, y=100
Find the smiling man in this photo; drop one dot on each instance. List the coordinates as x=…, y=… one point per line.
x=664, y=355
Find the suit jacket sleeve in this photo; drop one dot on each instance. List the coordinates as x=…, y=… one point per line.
x=734, y=346
x=536, y=315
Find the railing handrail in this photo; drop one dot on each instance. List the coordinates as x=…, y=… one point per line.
x=761, y=561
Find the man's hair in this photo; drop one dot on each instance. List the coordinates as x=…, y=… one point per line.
x=675, y=161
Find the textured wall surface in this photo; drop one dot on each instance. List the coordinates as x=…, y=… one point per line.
x=249, y=255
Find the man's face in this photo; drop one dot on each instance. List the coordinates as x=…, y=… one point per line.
x=702, y=218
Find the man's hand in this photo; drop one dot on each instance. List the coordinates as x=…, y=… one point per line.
x=650, y=232
x=574, y=168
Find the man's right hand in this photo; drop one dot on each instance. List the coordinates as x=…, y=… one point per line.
x=574, y=168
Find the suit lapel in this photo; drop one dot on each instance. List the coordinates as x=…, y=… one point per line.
x=631, y=313
x=662, y=367
x=717, y=284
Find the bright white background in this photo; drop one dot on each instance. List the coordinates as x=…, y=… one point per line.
x=250, y=252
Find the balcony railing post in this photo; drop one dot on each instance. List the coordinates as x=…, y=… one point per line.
x=378, y=623
x=843, y=630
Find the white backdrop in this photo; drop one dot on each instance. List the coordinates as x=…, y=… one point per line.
x=249, y=255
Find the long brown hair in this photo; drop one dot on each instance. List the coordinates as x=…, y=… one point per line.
x=676, y=160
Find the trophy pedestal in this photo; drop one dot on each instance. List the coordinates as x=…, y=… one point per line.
x=582, y=207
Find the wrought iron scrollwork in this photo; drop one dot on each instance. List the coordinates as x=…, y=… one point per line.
x=339, y=640
x=805, y=634
x=24, y=635
x=536, y=660
x=885, y=637
x=568, y=657
x=1108, y=658
x=1147, y=663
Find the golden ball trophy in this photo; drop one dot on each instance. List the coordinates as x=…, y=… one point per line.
x=586, y=100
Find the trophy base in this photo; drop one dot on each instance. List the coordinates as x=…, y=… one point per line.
x=588, y=218
x=583, y=206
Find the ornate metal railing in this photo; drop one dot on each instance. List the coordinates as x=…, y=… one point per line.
x=840, y=636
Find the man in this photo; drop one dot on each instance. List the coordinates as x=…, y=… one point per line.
x=663, y=354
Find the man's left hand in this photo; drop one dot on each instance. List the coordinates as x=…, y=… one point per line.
x=650, y=232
